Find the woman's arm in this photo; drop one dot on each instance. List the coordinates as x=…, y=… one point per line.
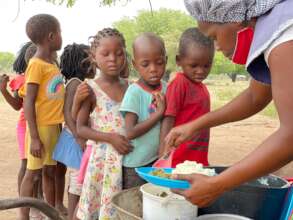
x=273, y=153
x=252, y=100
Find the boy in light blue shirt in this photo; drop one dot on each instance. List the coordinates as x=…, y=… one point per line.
x=143, y=106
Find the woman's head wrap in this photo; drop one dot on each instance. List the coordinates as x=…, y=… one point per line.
x=224, y=11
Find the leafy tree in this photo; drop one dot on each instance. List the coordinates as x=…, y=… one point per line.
x=223, y=65
x=6, y=61
x=169, y=24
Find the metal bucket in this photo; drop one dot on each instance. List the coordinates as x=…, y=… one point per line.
x=128, y=204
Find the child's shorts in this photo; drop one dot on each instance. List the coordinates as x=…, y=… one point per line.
x=49, y=135
x=20, y=131
x=74, y=187
x=67, y=150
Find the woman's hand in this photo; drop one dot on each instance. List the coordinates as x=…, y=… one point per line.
x=204, y=190
x=179, y=135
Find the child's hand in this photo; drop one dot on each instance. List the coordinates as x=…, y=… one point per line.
x=4, y=79
x=120, y=143
x=82, y=92
x=160, y=102
x=37, y=147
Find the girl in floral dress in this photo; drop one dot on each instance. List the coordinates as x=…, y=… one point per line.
x=105, y=131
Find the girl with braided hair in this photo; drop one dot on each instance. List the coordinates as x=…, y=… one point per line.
x=105, y=133
x=76, y=66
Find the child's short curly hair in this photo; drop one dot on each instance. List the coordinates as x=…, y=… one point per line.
x=39, y=26
x=191, y=37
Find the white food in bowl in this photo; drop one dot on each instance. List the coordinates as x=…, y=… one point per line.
x=190, y=167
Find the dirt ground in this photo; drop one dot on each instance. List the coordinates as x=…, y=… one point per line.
x=229, y=143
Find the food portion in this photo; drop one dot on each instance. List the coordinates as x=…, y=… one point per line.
x=160, y=173
x=190, y=167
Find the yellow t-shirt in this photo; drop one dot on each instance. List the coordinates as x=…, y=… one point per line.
x=50, y=98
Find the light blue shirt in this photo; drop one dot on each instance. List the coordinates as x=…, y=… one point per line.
x=138, y=101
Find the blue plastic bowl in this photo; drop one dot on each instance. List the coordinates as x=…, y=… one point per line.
x=144, y=172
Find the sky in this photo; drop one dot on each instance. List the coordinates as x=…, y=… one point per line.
x=84, y=19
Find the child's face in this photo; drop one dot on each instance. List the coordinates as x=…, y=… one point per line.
x=150, y=61
x=110, y=56
x=196, y=63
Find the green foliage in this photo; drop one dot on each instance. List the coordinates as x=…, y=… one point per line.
x=224, y=65
x=6, y=61
x=169, y=24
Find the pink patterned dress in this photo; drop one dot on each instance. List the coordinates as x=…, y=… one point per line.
x=103, y=176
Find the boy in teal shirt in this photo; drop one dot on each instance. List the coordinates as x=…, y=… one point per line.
x=143, y=106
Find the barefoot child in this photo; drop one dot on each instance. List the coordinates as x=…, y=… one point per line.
x=44, y=95
x=187, y=97
x=143, y=106
x=104, y=172
x=75, y=66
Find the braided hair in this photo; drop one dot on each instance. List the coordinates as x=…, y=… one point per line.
x=106, y=32
x=19, y=65
x=75, y=61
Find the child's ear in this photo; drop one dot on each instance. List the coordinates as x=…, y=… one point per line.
x=178, y=60
x=51, y=36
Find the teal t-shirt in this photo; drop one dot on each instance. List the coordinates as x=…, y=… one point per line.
x=138, y=101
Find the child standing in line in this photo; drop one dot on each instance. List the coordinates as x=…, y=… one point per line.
x=187, y=97
x=143, y=106
x=75, y=66
x=16, y=102
x=44, y=98
x=105, y=133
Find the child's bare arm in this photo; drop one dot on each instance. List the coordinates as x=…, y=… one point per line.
x=68, y=103
x=82, y=92
x=166, y=126
x=135, y=129
x=119, y=142
x=30, y=114
x=14, y=101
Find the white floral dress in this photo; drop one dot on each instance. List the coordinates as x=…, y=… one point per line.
x=103, y=177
